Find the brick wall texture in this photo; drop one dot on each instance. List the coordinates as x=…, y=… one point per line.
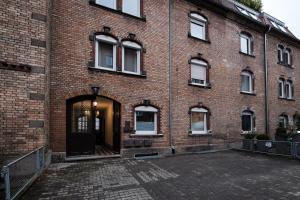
x=70, y=50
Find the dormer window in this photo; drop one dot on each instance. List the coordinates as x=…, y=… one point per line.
x=198, y=25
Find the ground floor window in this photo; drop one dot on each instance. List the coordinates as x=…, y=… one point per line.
x=283, y=121
x=248, y=122
x=145, y=120
x=199, y=121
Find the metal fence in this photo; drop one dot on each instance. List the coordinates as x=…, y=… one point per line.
x=20, y=174
x=285, y=148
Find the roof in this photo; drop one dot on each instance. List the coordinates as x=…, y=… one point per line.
x=254, y=16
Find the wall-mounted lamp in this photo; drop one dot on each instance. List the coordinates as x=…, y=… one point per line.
x=95, y=90
x=95, y=103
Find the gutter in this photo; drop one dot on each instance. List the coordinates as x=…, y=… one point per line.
x=266, y=84
x=170, y=81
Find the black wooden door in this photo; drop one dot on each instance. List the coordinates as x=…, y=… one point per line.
x=81, y=137
x=116, y=126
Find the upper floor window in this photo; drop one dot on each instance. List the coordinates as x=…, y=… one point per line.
x=106, y=50
x=145, y=120
x=199, y=72
x=246, y=42
x=280, y=50
x=281, y=89
x=289, y=89
x=287, y=57
x=248, y=121
x=108, y=3
x=283, y=121
x=131, y=53
x=199, y=120
x=198, y=26
x=247, y=81
x=132, y=7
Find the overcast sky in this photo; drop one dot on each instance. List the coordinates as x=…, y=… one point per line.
x=286, y=11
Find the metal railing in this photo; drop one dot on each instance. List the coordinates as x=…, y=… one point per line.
x=19, y=174
x=285, y=148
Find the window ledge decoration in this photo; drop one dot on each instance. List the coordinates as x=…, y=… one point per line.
x=92, y=68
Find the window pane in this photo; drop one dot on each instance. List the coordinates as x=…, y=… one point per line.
x=130, y=61
x=198, y=30
x=280, y=89
x=198, y=74
x=107, y=3
x=132, y=7
x=244, y=44
x=81, y=115
x=106, y=55
x=198, y=121
x=145, y=121
x=246, y=83
x=246, y=123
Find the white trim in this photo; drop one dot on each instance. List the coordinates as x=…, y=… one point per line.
x=246, y=37
x=281, y=53
x=248, y=113
x=107, y=40
x=282, y=88
x=132, y=45
x=146, y=109
x=201, y=24
x=289, y=95
x=202, y=110
x=198, y=17
x=288, y=56
x=198, y=62
x=205, y=112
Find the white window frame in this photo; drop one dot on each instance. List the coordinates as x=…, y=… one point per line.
x=199, y=21
x=199, y=63
x=282, y=88
x=138, y=48
x=248, y=113
x=289, y=95
x=114, y=2
x=248, y=74
x=146, y=109
x=138, y=14
x=288, y=52
x=108, y=40
x=280, y=48
x=199, y=110
x=244, y=36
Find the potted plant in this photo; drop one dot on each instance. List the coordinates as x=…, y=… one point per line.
x=263, y=143
x=248, y=141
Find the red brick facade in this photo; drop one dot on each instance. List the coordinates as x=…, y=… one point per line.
x=73, y=27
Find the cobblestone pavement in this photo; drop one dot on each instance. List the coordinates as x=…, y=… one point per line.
x=224, y=175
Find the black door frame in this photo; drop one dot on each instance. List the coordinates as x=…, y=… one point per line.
x=116, y=120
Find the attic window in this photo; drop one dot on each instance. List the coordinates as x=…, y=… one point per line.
x=278, y=26
x=248, y=13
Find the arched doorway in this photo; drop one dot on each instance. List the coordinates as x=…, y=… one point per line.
x=93, y=126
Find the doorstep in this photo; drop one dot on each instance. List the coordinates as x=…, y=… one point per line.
x=90, y=157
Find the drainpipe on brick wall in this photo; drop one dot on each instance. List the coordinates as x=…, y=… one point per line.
x=170, y=82
x=266, y=71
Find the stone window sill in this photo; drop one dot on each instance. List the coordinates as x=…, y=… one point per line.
x=248, y=93
x=199, y=39
x=207, y=86
x=143, y=75
x=246, y=54
x=145, y=136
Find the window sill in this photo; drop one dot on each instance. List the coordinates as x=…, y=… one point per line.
x=248, y=93
x=145, y=136
x=284, y=98
x=199, y=134
x=199, y=39
x=207, y=86
x=143, y=75
x=93, y=3
x=246, y=54
x=286, y=65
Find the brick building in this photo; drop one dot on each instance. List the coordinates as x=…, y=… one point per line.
x=142, y=77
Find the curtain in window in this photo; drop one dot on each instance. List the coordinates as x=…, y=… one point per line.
x=130, y=60
x=106, y=55
x=198, y=120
